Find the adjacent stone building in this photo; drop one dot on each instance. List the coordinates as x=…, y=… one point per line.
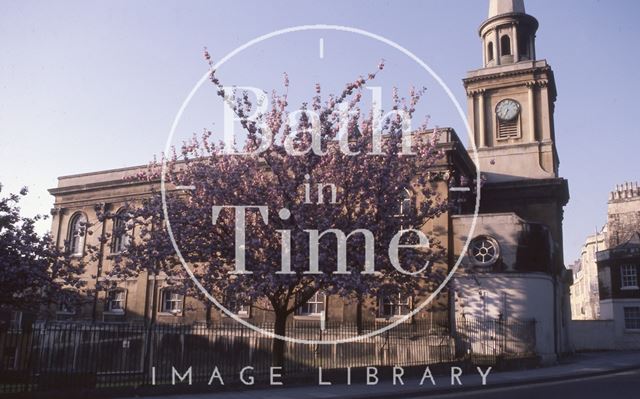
x=585, y=299
x=609, y=267
x=619, y=265
x=623, y=214
x=588, y=294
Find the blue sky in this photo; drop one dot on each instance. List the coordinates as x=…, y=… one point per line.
x=87, y=86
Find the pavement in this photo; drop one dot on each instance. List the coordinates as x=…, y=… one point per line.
x=576, y=367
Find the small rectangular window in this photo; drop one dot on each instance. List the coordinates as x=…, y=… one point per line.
x=394, y=306
x=237, y=308
x=15, y=324
x=632, y=318
x=172, y=301
x=629, y=276
x=314, y=306
x=116, y=301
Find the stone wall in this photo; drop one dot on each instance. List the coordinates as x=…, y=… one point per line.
x=592, y=335
x=599, y=335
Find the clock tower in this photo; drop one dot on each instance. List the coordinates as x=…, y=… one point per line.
x=514, y=264
x=511, y=99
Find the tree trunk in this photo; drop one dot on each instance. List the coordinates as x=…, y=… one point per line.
x=209, y=309
x=279, y=328
x=359, y=316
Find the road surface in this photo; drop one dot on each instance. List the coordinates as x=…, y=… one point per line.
x=623, y=385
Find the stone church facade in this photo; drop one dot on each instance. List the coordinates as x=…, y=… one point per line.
x=513, y=267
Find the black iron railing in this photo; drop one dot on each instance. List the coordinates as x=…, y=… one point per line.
x=68, y=356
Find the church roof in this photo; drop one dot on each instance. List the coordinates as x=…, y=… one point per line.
x=499, y=7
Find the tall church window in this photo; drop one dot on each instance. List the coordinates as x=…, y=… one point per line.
x=77, y=233
x=505, y=45
x=405, y=203
x=490, y=51
x=119, y=236
x=523, y=47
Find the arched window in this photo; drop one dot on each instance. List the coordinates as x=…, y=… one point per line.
x=490, y=51
x=505, y=45
x=77, y=233
x=405, y=207
x=119, y=236
x=523, y=47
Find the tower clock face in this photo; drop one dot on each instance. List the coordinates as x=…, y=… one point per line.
x=507, y=110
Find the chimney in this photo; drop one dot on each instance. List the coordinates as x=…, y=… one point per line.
x=628, y=190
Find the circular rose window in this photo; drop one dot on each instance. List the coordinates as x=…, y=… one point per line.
x=484, y=251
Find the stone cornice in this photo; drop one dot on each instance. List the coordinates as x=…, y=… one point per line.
x=103, y=185
x=519, y=190
x=449, y=143
x=509, y=18
x=510, y=73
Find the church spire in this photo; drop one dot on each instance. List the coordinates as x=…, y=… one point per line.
x=508, y=34
x=499, y=7
x=511, y=99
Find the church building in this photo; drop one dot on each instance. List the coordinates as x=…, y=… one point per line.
x=513, y=267
x=515, y=262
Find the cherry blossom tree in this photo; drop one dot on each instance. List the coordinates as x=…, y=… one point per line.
x=33, y=272
x=331, y=150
